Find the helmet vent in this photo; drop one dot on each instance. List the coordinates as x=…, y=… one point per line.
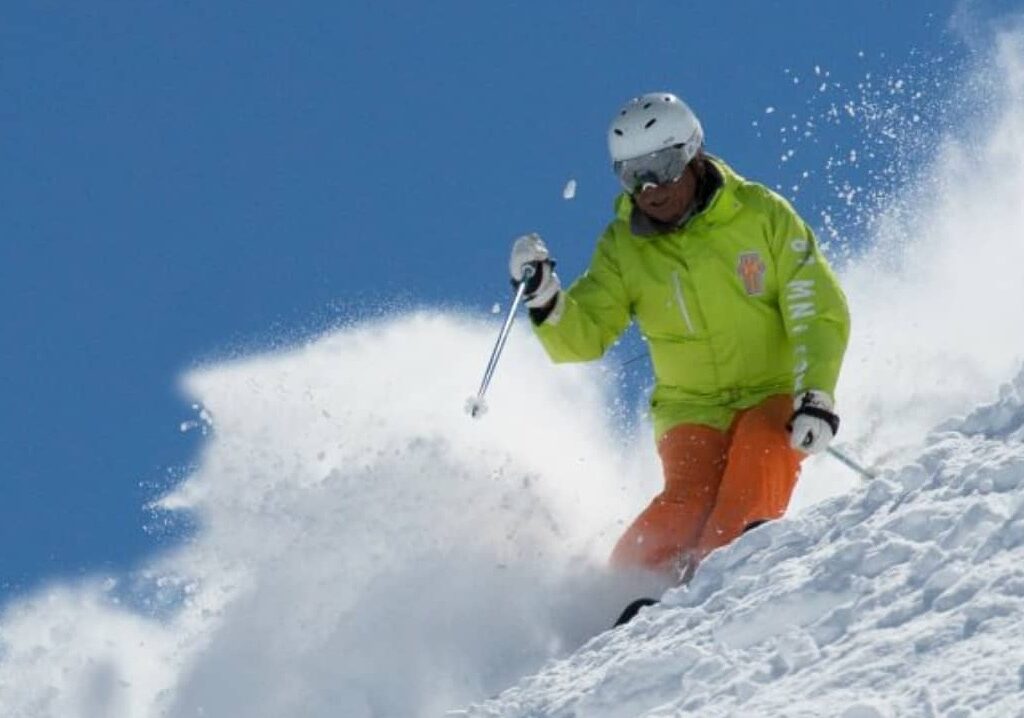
x=650, y=122
x=618, y=132
x=647, y=105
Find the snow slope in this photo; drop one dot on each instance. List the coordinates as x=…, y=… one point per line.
x=904, y=598
x=364, y=549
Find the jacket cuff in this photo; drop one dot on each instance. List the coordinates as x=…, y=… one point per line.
x=550, y=313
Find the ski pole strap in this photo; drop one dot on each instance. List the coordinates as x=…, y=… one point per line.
x=818, y=413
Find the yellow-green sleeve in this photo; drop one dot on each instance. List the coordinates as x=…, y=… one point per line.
x=592, y=313
x=813, y=305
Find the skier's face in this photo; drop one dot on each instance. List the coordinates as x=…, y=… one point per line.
x=668, y=202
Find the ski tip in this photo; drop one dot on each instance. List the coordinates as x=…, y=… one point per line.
x=629, y=613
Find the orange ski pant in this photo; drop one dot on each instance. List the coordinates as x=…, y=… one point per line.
x=717, y=484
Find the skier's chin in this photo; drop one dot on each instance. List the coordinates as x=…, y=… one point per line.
x=665, y=214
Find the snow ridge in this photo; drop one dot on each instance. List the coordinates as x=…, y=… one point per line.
x=903, y=598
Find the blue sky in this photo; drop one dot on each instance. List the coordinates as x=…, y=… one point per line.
x=185, y=181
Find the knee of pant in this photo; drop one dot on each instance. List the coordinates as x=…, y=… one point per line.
x=689, y=494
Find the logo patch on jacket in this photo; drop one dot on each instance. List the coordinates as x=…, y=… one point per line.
x=751, y=270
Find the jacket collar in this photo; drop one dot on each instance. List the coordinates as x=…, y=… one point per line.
x=718, y=204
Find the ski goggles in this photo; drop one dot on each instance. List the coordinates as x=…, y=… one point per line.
x=658, y=168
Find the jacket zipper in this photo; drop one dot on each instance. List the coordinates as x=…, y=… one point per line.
x=681, y=301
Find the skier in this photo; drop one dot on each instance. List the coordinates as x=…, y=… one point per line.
x=745, y=322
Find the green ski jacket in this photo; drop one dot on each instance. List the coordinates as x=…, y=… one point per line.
x=736, y=305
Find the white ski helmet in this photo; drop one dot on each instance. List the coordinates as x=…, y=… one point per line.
x=653, y=122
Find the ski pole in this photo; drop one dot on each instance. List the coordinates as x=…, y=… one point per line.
x=475, y=406
x=850, y=463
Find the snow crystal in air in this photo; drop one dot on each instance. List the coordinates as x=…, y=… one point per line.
x=569, y=191
x=204, y=421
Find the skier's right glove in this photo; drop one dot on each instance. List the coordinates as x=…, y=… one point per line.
x=543, y=287
x=813, y=424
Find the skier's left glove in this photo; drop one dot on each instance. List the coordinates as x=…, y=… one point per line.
x=813, y=423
